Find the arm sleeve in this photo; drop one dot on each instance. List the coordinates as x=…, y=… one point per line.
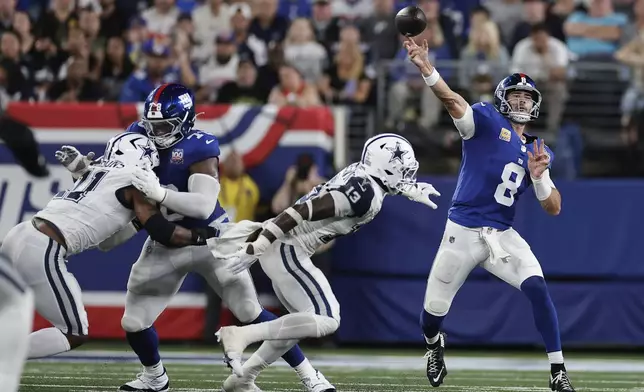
x=353, y=198
x=200, y=200
x=546, y=179
x=465, y=124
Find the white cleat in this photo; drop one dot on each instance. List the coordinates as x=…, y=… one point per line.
x=147, y=383
x=318, y=383
x=234, y=345
x=239, y=384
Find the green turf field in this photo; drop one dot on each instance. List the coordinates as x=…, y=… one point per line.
x=196, y=371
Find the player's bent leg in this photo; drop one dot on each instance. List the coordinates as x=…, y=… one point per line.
x=153, y=282
x=523, y=271
x=16, y=318
x=460, y=251
x=305, y=292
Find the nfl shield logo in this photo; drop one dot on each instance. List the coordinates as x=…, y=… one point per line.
x=177, y=156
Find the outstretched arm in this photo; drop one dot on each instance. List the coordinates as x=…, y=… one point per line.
x=456, y=105
x=352, y=199
x=203, y=190
x=160, y=229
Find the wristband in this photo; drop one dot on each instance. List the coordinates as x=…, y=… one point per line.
x=541, y=188
x=297, y=217
x=433, y=78
x=274, y=229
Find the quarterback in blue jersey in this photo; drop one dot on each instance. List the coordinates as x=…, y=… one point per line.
x=500, y=161
x=188, y=170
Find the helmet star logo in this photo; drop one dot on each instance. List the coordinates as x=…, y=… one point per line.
x=397, y=153
x=147, y=152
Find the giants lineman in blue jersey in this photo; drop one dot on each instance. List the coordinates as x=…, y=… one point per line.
x=499, y=162
x=189, y=171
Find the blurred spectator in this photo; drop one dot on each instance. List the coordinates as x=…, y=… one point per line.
x=210, y=18
x=267, y=25
x=406, y=82
x=534, y=11
x=347, y=80
x=247, y=44
x=595, y=33
x=478, y=17
x=545, y=59
x=506, y=14
x=245, y=89
x=220, y=69
x=268, y=75
x=17, y=72
x=135, y=36
x=7, y=10
x=483, y=56
x=299, y=180
x=116, y=68
x=22, y=27
x=352, y=9
x=632, y=54
x=158, y=70
x=113, y=21
x=325, y=25
x=636, y=25
x=239, y=194
x=293, y=90
x=557, y=13
x=303, y=52
x=76, y=46
x=89, y=22
x=292, y=9
x=442, y=26
x=380, y=31
x=350, y=34
x=56, y=22
x=161, y=17
x=77, y=87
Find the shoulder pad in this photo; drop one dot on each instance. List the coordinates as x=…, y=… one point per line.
x=484, y=108
x=360, y=194
x=135, y=127
x=199, y=146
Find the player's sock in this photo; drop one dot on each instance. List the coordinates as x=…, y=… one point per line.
x=266, y=354
x=294, y=356
x=290, y=326
x=431, y=326
x=46, y=342
x=145, y=344
x=545, y=315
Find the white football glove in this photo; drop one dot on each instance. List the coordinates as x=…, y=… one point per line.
x=242, y=260
x=148, y=183
x=421, y=193
x=77, y=163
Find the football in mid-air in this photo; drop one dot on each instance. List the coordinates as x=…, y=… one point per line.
x=411, y=21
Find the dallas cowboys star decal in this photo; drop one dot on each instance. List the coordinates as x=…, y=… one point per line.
x=147, y=152
x=396, y=153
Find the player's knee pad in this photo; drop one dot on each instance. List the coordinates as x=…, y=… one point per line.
x=438, y=299
x=246, y=310
x=326, y=325
x=131, y=323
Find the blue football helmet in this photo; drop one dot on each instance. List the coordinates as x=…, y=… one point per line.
x=522, y=113
x=168, y=114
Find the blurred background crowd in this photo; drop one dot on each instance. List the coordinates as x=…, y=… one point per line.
x=587, y=57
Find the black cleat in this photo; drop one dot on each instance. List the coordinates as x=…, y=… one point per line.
x=436, y=370
x=560, y=382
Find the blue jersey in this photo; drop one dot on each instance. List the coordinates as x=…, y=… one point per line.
x=494, y=172
x=174, y=170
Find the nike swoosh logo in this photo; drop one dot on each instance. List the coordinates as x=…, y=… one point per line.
x=482, y=103
x=210, y=141
x=439, y=376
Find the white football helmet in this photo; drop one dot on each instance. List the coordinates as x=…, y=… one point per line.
x=132, y=149
x=390, y=158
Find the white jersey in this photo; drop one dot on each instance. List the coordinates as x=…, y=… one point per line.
x=90, y=212
x=358, y=199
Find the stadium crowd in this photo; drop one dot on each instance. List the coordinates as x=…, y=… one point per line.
x=310, y=52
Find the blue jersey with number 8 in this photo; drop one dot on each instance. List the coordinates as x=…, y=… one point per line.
x=494, y=172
